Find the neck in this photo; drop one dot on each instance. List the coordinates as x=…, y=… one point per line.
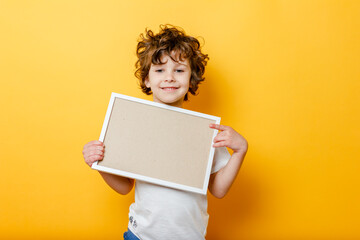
x=178, y=104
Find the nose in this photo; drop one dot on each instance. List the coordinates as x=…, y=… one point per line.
x=169, y=76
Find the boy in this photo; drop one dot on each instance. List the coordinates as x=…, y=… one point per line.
x=170, y=65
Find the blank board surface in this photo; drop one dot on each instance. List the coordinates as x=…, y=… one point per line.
x=157, y=143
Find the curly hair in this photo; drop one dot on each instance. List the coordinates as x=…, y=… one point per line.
x=151, y=47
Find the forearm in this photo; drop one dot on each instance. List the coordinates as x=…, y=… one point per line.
x=220, y=182
x=120, y=184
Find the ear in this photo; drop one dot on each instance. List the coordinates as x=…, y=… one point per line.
x=147, y=82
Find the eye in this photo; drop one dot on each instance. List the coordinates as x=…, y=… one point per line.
x=179, y=70
x=159, y=70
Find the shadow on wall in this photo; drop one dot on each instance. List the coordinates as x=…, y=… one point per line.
x=232, y=214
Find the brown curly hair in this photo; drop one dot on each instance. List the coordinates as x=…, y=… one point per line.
x=151, y=47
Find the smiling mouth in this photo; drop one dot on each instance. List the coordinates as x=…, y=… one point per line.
x=169, y=88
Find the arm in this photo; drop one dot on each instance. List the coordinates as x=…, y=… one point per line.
x=221, y=181
x=120, y=184
x=94, y=151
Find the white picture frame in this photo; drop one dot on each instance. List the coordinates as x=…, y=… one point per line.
x=157, y=143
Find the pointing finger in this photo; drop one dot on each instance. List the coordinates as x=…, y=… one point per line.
x=220, y=137
x=220, y=144
x=217, y=126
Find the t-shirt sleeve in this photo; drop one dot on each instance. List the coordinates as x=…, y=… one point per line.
x=221, y=158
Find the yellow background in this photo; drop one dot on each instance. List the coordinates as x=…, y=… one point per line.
x=285, y=74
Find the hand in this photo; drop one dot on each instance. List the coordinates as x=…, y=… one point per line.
x=93, y=151
x=228, y=137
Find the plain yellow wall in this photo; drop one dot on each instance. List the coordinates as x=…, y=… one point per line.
x=285, y=74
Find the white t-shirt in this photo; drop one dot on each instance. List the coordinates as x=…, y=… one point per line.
x=161, y=213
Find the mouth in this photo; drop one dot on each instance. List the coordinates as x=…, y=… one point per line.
x=169, y=89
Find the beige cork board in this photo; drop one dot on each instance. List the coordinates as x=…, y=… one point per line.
x=157, y=143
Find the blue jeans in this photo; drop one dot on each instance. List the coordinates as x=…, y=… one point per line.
x=130, y=236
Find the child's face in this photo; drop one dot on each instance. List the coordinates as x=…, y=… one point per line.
x=170, y=81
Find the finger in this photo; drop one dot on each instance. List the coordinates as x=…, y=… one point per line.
x=94, y=146
x=95, y=158
x=101, y=148
x=94, y=143
x=219, y=137
x=90, y=160
x=92, y=153
x=218, y=126
x=220, y=144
